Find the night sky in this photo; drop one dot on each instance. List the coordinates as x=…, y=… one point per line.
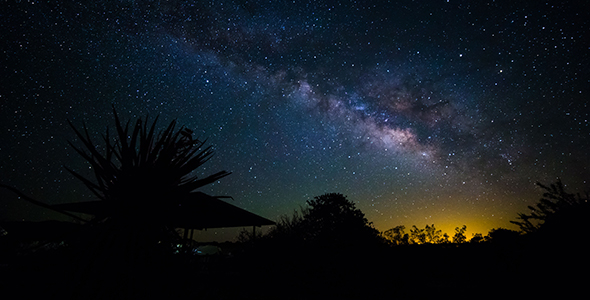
x=421, y=112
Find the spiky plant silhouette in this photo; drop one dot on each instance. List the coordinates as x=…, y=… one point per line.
x=141, y=176
x=141, y=173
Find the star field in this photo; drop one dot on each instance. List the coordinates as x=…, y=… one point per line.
x=421, y=112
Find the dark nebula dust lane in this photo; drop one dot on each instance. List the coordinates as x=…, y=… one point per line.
x=421, y=112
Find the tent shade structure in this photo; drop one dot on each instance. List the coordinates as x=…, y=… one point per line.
x=198, y=211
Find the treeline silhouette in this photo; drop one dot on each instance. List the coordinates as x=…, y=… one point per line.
x=326, y=250
x=430, y=235
x=321, y=256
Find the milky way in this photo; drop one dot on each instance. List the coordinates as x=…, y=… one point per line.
x=443, y=112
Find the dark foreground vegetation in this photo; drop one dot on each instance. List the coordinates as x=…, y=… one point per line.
x=329, y=250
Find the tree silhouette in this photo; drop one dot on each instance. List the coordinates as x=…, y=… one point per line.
x=397, y=235
x=433, y=236
x=444, y=239
x=329, y=220
x=459, y=236
x=333, y=219
x=557, y=210
x=477, y=238
x=426, y=235
x=417, y=235
x=502, y=235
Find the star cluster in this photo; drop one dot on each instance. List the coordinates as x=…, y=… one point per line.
x=443, y=112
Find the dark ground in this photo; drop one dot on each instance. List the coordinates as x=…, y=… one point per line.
x=264, y=271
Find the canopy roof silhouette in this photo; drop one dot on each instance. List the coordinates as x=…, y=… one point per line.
x=199, y=211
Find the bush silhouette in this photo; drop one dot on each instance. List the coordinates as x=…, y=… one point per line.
x=559, y=214
x=555, y=231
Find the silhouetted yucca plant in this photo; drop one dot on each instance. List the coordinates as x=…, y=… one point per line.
x=141, y=173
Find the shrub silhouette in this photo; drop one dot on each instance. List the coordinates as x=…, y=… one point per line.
x=286, y=230
x=555, y=231
x=558, y=213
